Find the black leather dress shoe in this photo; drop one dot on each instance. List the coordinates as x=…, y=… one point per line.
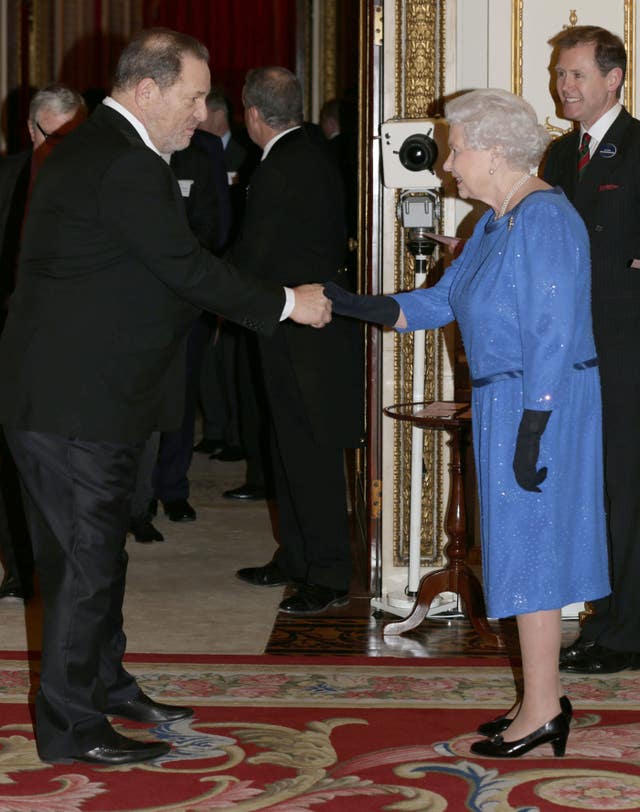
x=577, y=649
x=12, y=588
x=143, y=530
x=269, y=575
x=179, y=510
x=556, y=732
x=209, y=446
x=143, y=709
x=312, y=600
x=115, y=750
x=501, y=723
x=598, y=659
x=245, y=493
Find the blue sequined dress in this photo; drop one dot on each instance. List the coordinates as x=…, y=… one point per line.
x=520, y=292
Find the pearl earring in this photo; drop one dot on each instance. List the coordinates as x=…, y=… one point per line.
x=492, y=171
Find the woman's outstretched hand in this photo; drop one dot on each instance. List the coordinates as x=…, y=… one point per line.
x=375, y=309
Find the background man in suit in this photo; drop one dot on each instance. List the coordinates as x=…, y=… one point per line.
x=218, y=382
x=54, y=111
x=604, y=186
x=294, y=231
x=92, y=361
x=204, y=191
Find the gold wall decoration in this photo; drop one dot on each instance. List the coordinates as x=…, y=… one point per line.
x=419, y=72
x=329, y=56
x=516, y=47
x=630, y=45
x=554, y=130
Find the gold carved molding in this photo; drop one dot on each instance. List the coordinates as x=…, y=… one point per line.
x=419, y=75
x=329, y=55
x=517, y=13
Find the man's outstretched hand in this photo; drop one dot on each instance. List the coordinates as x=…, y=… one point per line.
x=312, y=306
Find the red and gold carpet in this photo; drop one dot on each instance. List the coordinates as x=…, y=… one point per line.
x=341, y=734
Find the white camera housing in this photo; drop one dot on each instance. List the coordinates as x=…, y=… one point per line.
x=397, y=137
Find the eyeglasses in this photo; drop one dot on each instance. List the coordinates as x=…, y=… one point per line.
x=50, y=136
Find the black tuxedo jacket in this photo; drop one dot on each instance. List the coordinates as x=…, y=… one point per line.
x=15, y=173
x=110, y=279
x=608, y=199
x=194, y=171
x=211, y=145
x=234, y=155
x=294, y=232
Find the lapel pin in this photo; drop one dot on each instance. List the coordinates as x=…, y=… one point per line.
x=607, y=150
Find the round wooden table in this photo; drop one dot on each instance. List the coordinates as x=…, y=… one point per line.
x=456, y=576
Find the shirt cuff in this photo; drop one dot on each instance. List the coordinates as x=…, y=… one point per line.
x=289, y=304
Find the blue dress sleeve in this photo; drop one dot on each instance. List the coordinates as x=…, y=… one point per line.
x=551, y=256
x=428, y=308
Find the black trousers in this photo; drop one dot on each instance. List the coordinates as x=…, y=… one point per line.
x=78, y=505
x=170, y=476
x=616, y=622
x=309, y=481
x=15, y=544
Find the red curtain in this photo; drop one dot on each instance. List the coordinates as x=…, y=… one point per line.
x=240, y=34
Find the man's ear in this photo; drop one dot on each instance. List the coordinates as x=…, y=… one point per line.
x=614, y=79
x=145, y=92
x=32, y=131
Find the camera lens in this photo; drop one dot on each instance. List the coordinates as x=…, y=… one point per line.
x=418, y=152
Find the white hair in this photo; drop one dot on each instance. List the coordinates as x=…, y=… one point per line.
x=56, y=98
x=493, y=118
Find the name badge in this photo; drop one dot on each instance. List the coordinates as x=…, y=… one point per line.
x=185, y=187
x=607, y=150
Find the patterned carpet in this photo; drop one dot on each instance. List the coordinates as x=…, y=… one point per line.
x=320, y=734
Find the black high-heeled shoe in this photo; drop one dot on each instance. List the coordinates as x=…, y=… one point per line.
x=556, y=732
x=501, y=723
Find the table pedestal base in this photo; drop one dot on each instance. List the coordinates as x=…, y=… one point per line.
x=464, y=583
x=456, y=576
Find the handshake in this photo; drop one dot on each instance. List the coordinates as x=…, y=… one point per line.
x=316, y=303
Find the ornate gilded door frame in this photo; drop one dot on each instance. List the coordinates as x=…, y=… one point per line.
x=419, y=82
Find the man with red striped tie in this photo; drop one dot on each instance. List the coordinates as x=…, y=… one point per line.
x=598, y=167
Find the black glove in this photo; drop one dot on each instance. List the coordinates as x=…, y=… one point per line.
x=531, y=429
x=376, y=309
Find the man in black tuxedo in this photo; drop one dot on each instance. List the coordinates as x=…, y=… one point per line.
x=602, y=180
x=92, y=361
x=293, y=230
x=54, y=111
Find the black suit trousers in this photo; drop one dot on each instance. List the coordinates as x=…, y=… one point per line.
x=616, y=622
x=309, y=481
x=171, y=474
x=79, y=499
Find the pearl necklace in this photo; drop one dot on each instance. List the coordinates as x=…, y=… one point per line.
x=520, y=182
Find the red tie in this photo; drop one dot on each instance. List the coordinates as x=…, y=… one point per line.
x=583, y=154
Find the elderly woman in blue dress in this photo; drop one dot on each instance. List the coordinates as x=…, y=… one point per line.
x=520, y=292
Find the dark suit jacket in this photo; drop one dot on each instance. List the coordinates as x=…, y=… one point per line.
x=15, y=171
x=608, y=199
x=293, y=232
x=192, y=167
x=109, y=281
x=234, y=155
x=212, y=146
